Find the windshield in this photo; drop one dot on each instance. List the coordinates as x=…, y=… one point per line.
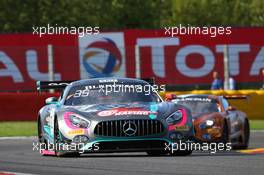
x=199, y=106
x=83, y=96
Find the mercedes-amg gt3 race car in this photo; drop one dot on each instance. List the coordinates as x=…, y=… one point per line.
x=93, y=116
x=215, y=120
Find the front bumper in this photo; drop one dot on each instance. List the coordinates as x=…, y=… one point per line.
x=210, y=134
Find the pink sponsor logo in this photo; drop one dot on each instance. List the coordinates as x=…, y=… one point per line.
x=119, y=112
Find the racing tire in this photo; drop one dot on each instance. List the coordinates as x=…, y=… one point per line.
x=225, y=134
x=157, y=153
x=181, y=153
x=57, y=142
x=42, y=142
x=245, y=140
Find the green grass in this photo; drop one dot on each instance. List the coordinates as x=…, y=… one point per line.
x=18, y=129
x=256, y=124
x=30, y=128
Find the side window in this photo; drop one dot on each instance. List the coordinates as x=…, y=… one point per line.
x=225, y=103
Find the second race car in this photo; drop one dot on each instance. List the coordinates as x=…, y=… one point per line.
x=215, y=120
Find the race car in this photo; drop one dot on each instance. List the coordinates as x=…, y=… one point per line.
x=215, y=120
x=110, y=115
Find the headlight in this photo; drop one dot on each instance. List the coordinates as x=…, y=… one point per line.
x=174, y=117
x=209, y=123
x=78, y=121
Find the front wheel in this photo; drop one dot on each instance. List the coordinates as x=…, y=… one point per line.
x=58, y=144
x=225, y=134
x=181, y=153
x=157, y=153
x=42, y=141
x=245, y=138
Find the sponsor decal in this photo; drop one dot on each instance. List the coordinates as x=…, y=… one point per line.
x=193, y=99
x=76, y=132
x=108, y=81
x=182, y=128
x=107, y=113
x=118, y=112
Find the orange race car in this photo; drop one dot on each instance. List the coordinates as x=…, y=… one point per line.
x=214, y=120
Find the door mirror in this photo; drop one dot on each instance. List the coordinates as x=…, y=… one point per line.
x=51, y=100
x=231, y=108
x=170, y=97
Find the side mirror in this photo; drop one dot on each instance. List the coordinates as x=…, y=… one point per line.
x=170, y=97
x=231, y=108
x=51, y=100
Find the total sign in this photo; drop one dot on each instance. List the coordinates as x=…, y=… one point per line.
x=102, y=55
x=189, y=59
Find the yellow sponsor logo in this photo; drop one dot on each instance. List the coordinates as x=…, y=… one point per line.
x=76, y=132
x=181, y=128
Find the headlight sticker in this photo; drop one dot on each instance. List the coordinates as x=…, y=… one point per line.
x=70, y=122
x=182, y=124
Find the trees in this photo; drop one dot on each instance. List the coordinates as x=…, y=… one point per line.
x=21, y=15
x=218, y=12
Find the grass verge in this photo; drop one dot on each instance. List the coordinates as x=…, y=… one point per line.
x=256, y=124
x=8, y=129
x=18, y=129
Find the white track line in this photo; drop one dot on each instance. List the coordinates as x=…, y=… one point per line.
x=18, y=138
x=15, y=173
x=256, y=130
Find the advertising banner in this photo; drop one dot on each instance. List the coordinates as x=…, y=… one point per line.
x=191, y=59
x=179, y=60
x=102, y=55
x=24, y=60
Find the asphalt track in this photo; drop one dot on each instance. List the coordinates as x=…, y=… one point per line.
x=16, y=155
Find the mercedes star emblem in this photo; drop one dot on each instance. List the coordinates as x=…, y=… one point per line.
x=130, y=128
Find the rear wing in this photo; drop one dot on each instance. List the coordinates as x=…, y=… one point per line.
x=55, y=85
x=236, y=97
x=60, y=85
x=150, y=80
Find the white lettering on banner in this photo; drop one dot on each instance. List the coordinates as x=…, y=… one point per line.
x=233, y=54
x=195, y=72
x=11, y=68
x=157, y=51
x=13, y=71
x=258, y=64
x=32, y=67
